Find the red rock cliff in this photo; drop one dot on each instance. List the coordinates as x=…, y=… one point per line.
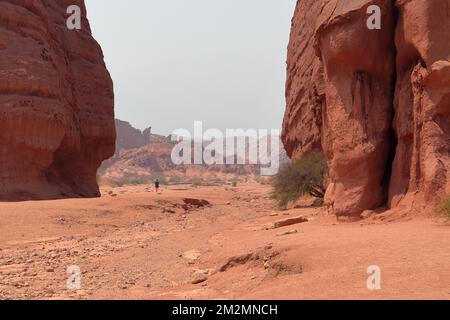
x=56, y=103
x=376, y=101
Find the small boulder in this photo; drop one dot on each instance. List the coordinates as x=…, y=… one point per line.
x=199, y=203
x=199, y=278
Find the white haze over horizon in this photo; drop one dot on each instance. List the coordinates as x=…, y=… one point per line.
x=177, y=61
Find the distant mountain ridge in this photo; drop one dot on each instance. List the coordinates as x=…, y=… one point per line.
x=129, y=137
x=142, y=156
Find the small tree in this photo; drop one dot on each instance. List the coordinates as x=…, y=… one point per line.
x=443, y=209
x=306, y=176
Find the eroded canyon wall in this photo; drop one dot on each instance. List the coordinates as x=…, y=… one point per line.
x=421, y=170
x=376, y=100
x=56, y=103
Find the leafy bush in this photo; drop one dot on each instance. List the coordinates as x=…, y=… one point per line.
x=306, y=176
x=443, y=209
x=135, y=179
x=175, y=180
x=138, y=180
x=128, y=181
x=160, y=176
x=214, y=182
x=196, y=181
x=263, y=181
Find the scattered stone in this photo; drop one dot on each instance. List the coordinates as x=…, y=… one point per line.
x=287, y=233
x=199, y=203
x=367, y=214
x=191, y=255
x=199, y=278
x=288, y=222
x=237, y=260
x=308, y=203
x=348, y=219
x=274, y=214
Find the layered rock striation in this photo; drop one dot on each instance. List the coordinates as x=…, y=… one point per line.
x=56, y=103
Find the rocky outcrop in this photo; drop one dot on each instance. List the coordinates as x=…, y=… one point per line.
x=56, y=103
x=142, y=156
x=421, y=169
x=375, y=101
x=305, y=86
x=129, y=137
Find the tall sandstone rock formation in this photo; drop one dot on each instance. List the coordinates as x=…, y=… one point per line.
x=56, y=103
x=377, y=102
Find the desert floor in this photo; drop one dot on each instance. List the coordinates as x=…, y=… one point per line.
x=135, y=244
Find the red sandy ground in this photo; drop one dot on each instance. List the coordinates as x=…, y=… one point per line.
x=128, y=248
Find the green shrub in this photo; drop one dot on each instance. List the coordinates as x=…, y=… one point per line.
x=196, y=181
x=211, y=182
x=296, y=179
x=135, y=179
x=138, y=180
x=443, y=210
x=175, y=180
x=263, y=181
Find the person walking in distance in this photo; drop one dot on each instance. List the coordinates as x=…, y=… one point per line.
x=157, y=185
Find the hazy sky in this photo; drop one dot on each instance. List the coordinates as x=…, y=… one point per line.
x=176, y=61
